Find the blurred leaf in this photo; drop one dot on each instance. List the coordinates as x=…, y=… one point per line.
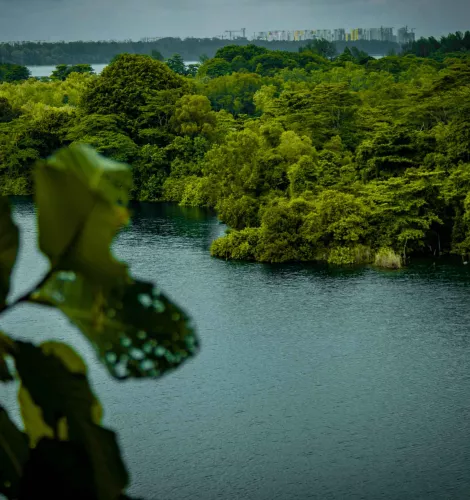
x=5, y=375
x=5, y=346
x=81, y=198
x=135, y=329
x=58, y=470
x=9, y=242
x=61, y=393
x=14, y=453
x=32, y=415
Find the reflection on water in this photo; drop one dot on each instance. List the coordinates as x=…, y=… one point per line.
x=313, y=382
x=154, y=222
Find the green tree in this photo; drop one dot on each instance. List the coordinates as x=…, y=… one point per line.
x=322, y=47
x=233, y=93
x=192, y=70
x=157, y=55
x=176, y=64
x=62, y=71
x=214, y=68
x=7, y=114
x=13, y=73
x=194, y=116
x=247, y=52
x=128, y=84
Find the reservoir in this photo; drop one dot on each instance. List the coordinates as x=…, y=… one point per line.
x=43, y=71
x=312, y=382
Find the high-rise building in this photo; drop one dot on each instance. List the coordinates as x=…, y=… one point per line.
x=375, y=34
x=404, y=36
x=359, y=34
x=339, y=35
x=326, y=34
x=386, y=34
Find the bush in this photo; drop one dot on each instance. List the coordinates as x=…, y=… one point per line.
x=238, y=245
x=195, y=193
x=359, y=254
x=18, y=186
x=388, y=259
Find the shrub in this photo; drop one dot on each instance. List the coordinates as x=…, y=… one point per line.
x=388, y=259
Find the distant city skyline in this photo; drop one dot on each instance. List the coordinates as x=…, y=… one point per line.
x=384, y=33
x=69, y=20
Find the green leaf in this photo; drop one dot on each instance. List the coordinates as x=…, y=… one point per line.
x=64, y=396
x=9, y=242
x=6, y=344
x=58, y=470
x=135, y=329
x=81, y=198
x=34, y=423
x=14, y=453
x=5, y=375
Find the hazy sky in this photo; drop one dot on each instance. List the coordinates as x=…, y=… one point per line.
x=121, y=19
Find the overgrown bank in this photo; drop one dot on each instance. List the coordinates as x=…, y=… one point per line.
x=305, y=158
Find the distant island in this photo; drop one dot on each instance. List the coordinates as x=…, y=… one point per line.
x=190, y=49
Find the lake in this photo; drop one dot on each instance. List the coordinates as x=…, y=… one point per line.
x=41, y=71
x=312, y=382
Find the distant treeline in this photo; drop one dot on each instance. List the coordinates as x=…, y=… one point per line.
x=431, y=47
x=191, y=49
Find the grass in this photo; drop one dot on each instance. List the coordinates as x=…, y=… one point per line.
x=387, y=259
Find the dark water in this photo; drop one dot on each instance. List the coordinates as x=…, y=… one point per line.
x=312, y=383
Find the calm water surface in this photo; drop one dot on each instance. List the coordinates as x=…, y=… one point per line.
x=312, y=383
x=40, y=71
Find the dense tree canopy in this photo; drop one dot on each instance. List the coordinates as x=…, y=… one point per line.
x=13, y=73
x=191, y=49
x=303, y=157
x=454, y=43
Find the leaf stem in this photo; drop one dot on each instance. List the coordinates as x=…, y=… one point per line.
x=27, y=295
x=17, y=466
x=48, y=275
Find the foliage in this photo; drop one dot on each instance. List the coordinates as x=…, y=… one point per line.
x=156, y=54
x=233, y=93
x=176, y=64
x=62, y=71
x=214, y=68
x=387, y=259
x=125, y=86
x=191, y=49
x=63, y=450
x=454, y=43
x=13, y=72
x=321, y=47
x=254, y=59
x=304, y=154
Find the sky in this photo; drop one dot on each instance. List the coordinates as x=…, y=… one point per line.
x=55, y=20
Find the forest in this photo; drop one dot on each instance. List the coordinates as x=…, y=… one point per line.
x=345, y=159
x=191, y=49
